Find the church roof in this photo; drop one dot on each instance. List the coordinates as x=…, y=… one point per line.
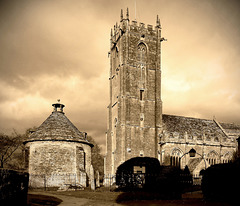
x=58, y=127
x=231, y=129
x=180, y=124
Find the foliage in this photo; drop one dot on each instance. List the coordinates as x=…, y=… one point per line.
x=221, y=182
x=97, y=158
x=11, y=151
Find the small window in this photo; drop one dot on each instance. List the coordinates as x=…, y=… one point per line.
x=141, y=94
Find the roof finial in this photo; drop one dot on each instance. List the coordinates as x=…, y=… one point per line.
x=121, y=16
x=127, y=14
x=58, y=107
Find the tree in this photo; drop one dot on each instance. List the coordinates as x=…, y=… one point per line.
x=9, y=144
x=97, y=158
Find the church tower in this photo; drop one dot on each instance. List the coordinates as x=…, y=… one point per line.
x=135, y=107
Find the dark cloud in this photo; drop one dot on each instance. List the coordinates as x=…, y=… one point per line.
x=55, y=49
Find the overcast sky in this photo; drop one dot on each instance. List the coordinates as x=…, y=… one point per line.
x=57, y=49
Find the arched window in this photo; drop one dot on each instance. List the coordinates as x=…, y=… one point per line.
x=175, y=157
x=142, y=53
x=212, y=158
x=141, y=63
x=227, y=157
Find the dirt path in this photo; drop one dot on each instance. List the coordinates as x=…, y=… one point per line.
x=67, y=200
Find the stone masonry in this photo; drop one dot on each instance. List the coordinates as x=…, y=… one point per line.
x=135, y=102
x=136, y=125
x=58, y=151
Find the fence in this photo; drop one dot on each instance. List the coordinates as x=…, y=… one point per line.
x=197, y=180
x=57, y=180
x=138, y=180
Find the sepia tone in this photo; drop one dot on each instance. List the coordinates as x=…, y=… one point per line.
x=57, y=150
x=136, y=125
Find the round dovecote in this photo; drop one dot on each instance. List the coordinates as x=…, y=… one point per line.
x=57, y=149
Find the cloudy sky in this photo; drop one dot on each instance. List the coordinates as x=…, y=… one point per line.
x=57, y=49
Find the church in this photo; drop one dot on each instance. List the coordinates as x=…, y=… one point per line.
x=137, y=126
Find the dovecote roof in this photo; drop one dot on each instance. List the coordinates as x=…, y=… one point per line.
x=59, y=128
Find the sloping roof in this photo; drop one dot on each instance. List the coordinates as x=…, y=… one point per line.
x=57, y=127
x=231, y=129
x=193, y=163
x=180, y=124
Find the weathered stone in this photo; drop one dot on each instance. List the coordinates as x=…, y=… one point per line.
x=135, y=105
x=92, y=179
x=136, y=125
x=58, y=153
x=97, y=179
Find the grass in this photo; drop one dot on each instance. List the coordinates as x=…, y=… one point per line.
x=107, y=197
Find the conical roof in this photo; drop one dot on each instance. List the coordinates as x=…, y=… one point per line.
x=58, y=127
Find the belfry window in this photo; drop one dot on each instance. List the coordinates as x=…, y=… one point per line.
x=142, y=51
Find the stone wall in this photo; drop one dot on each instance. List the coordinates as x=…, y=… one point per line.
x=135, y=84
x=57, y=160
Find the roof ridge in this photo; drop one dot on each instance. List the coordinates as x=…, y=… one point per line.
x=186, y=117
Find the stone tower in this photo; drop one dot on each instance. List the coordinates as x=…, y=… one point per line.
x=135, y=107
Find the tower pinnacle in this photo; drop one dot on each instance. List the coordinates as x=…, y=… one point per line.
x=121, y=16
x=158, y=22
x=127, y=14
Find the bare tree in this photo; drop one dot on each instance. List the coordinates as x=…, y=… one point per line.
x=8, y=145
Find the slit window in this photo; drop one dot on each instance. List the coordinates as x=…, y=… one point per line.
x=141, y=94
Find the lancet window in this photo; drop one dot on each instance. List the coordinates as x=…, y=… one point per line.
x=175, y=157
x=141, y=63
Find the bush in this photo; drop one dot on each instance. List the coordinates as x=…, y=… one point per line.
x=13, y=187
x=221, y=182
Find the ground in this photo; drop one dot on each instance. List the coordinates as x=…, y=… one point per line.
x=108, y=198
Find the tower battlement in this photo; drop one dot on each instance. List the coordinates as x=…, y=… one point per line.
x=133, y=26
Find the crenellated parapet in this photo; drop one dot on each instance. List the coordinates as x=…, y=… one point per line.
x=136, y=28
